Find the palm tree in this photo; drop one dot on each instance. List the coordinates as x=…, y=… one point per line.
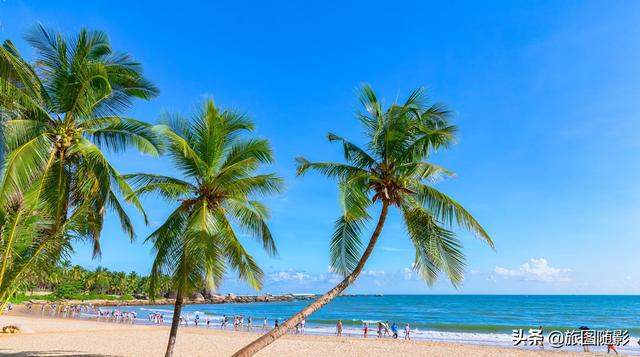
x=199, y=240
x=58, y=114
x=391, y=170
x=101, y=279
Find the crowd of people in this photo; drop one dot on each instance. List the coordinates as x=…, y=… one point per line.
x=383, y=330
x=237, y=323
x=77, y=310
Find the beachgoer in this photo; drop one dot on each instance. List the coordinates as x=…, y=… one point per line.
x=208, y=322
x=386, y=329
x=407, y=331
x=276, y=324
x=249, y=322
x=611, y=348
x=302, y=323
x=365, y=327
x=394, y=330
x=541, y=334
x=379, y=329
x=264, y=324
x=197, y=319
x=339, y=328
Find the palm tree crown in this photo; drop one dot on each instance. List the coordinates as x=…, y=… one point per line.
x=392, y=168
x=198, y=240
x=59, y=113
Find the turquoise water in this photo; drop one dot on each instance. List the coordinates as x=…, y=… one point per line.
x=461, y=313
x=487, y=319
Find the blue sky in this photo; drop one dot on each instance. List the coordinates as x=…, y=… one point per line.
x=546, y=95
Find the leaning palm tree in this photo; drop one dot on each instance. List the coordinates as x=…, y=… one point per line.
x=391, y=170
x=198, y=241
x=58, y=114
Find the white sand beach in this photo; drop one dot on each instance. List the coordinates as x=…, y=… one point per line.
x=80, y=338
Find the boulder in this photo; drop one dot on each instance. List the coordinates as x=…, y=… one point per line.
x=197, y=297
x=207, y=293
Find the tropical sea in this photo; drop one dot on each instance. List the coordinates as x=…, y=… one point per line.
x=477, y=319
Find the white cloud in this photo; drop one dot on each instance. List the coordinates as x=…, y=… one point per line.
x=289, y=275
x=391, y=249
x=375, y=273
x=297, y=276
x=535, y=270
x=408, y=274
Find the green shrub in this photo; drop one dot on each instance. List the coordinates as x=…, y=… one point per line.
x=67, y=290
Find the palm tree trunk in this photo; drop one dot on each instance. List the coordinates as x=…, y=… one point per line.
x=268, y=338
x=175, y=322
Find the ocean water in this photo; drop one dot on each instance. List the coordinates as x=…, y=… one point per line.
x=479, y=319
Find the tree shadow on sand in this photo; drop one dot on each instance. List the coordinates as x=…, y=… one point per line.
x=55, y=353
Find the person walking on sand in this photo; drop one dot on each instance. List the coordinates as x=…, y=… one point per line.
x=302, y=323
x=365, y=327
x=407, y=331
x=379, y=329
x=386, y=329
x=394, y=330
x=339, y=328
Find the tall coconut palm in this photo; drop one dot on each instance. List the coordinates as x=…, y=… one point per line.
x=391, y=170
x=215, y=197
x=59, y=113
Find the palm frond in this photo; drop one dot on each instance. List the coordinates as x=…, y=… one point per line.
x=449, y=211
x=437, y=249
x=354, y=154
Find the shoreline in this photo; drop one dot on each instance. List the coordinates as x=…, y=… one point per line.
x=92, y=338
x=194, y=300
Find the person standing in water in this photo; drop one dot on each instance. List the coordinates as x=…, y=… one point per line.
x=339, y=328
x=264, y=324
x=394, y=330
x=407, y=331
x=386, y=329
x=365, y=327
x=379, y=329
